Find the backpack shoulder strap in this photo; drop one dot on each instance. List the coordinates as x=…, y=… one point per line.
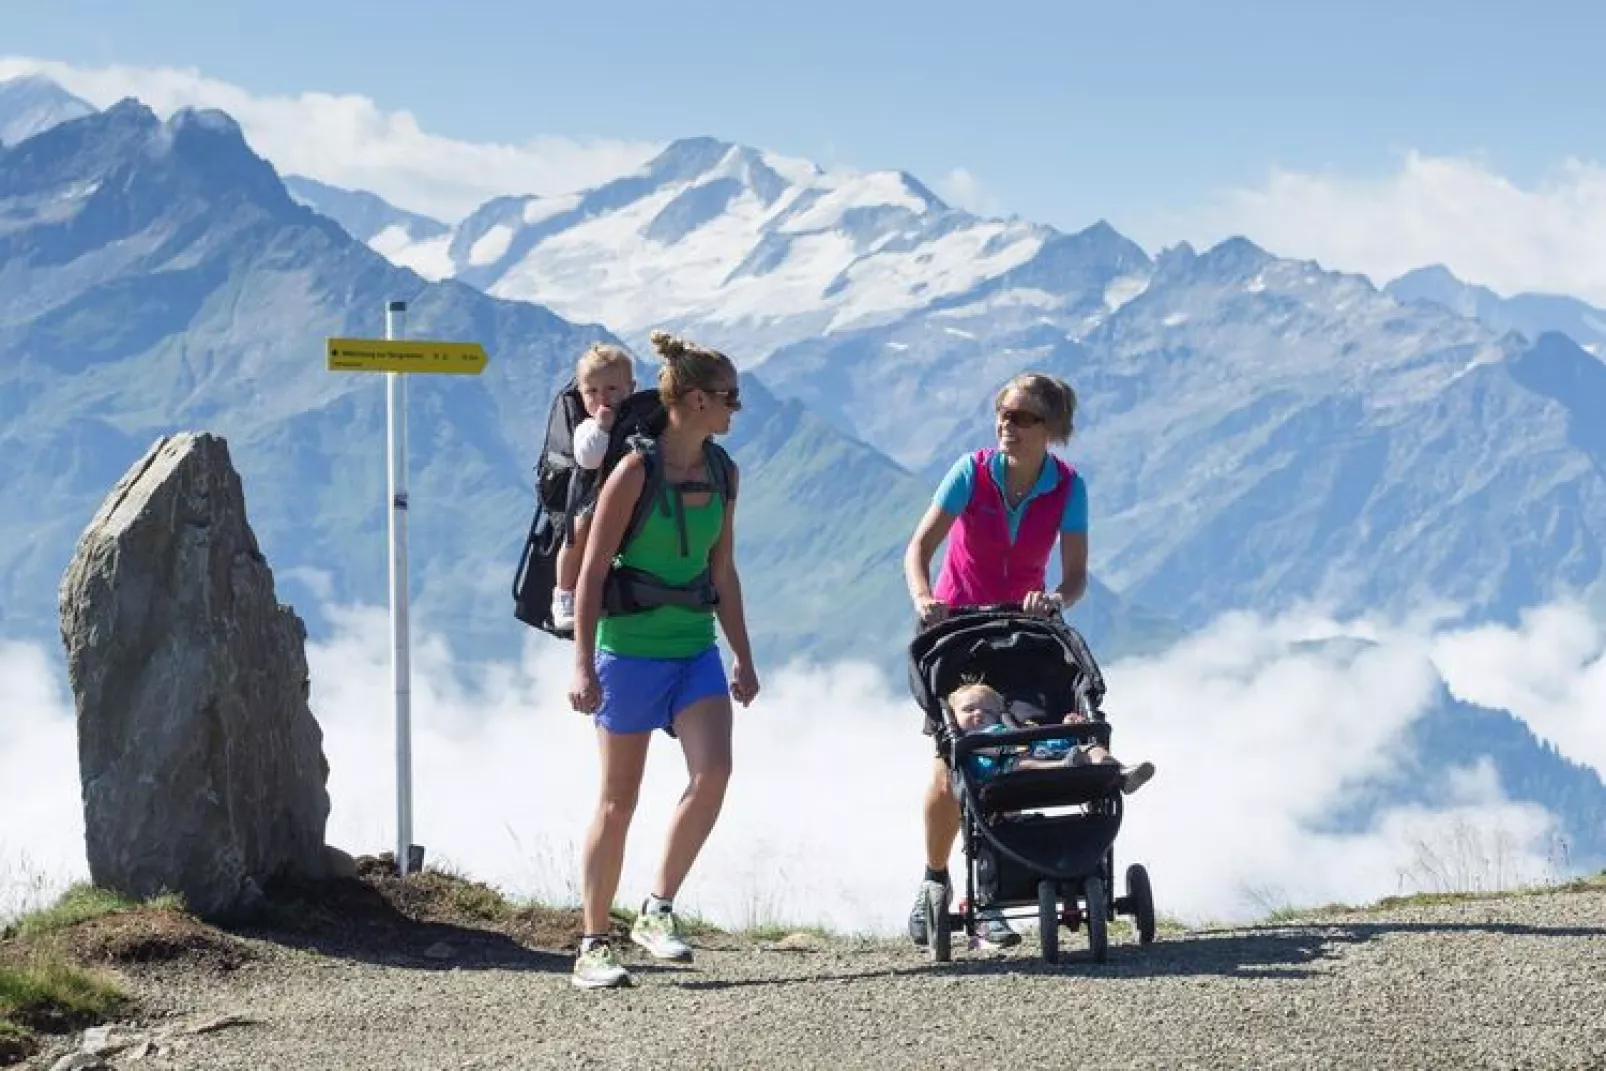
x=721, y=471
x=652, y=488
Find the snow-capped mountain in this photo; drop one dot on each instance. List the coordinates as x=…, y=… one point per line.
x=741, y=248
x=30, y=105
x=1529, y=314
x=158, y=275
x=365, y=216
x=1257, y=432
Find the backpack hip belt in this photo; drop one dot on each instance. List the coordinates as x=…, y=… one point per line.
x=627, y=590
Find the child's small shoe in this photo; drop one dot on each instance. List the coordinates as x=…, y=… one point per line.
x=1135, y=777
x=563, y=609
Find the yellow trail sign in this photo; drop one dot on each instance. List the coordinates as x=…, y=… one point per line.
x=405, y=355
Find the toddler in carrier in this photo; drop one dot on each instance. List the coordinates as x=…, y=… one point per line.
x=979, y=708
x=605, y=378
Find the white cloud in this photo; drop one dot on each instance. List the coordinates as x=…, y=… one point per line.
x=1448, y=210
x=1258, y=733
x=41, y=818
x=1550, y=671
x=349, y=140
x=962, y=189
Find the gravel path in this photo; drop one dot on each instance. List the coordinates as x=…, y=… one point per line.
x=1508, y=983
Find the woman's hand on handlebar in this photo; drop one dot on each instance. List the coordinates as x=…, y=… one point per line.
x=1042, y=603
x=930, y=610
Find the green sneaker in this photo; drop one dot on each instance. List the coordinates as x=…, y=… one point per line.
x=595, y=968
x=659, y=934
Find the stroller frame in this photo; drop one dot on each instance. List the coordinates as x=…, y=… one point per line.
x=1069, y=879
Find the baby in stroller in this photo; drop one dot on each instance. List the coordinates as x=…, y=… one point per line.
x=980, y=708
x=1014, y=703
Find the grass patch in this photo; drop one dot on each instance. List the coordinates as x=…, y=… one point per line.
x=82, y=903
x=44, y=993
x=1295, y=914
x=774, y=932
x=1593, y=883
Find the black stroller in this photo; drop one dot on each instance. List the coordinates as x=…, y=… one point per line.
x=1061, y=864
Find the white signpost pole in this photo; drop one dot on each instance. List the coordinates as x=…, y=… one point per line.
x=396, y=435
x=398, y=358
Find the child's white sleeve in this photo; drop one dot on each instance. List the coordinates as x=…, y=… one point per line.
x=590, y=443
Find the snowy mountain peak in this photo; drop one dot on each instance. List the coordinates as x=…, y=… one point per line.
x=1528, y=314
x=1234, y=258
x=685, y=159
x=1437, y=284
x=365, y=216
x=31, y=104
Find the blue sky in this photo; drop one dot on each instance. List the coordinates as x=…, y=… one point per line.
x=1146, y=114
x=1060, y=109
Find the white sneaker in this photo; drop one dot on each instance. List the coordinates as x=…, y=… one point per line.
x=563, y=609
x=595, y=968
x=659, y=934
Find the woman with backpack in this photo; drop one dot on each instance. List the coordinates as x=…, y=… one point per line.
x=1002, y=510
x=659, y=568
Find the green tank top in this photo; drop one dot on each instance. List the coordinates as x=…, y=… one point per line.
x=667, y=631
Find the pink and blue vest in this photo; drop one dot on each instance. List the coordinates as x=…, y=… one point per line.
x=982, y=566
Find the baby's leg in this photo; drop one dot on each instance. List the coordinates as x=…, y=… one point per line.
x=570, y=557
x=572, y=554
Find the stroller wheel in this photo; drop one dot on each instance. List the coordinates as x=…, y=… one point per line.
x=1098, y=934
x=1048, y=920
x=1141, y=896
x=939, y=923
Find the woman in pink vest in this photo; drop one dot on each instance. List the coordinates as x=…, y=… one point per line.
x=1002, y=510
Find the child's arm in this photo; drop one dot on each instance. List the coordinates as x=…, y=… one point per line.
x=590, y=443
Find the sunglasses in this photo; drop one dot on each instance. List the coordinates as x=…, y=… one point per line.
x=731, y=396
x=1019, y=418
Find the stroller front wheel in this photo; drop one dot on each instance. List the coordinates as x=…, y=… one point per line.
x=1048, y=920
x=1141, y=896
x=940, y=923
x=1098, y=933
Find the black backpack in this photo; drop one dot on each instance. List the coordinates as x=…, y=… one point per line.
x=563, y=490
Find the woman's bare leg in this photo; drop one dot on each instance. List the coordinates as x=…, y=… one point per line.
x=624, y=757
x=704, y=731
x=942, y=817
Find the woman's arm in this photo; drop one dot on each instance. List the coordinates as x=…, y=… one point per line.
x=722, y=566
x=928, y=536
x=1073, y=568
x=615, y=504
x=731, y=613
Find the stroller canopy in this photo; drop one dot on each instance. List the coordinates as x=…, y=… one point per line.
x=1024, y=656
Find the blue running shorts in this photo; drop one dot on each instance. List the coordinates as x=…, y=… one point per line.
x=643, y=694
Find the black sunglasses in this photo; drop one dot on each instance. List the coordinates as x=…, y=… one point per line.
x=732, y=396
x=1020, y=418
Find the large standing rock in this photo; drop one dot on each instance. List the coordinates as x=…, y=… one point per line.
x=202, y=766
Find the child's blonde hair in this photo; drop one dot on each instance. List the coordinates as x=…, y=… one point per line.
x=602, y=356
x=974, y=688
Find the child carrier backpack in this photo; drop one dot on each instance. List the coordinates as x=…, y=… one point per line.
x=564, y=491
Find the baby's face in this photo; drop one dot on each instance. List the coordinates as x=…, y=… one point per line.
x=605, y=387
x=975, y=712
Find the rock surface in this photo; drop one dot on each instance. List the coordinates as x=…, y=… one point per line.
x=202, y=765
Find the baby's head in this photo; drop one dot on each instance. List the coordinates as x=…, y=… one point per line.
x=604, y=376
x=976, y=706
